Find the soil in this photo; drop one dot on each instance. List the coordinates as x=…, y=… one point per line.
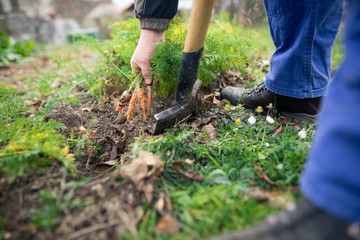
x=113, y=204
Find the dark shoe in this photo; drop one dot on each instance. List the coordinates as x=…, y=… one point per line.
x=299, y=109
x=301, y=222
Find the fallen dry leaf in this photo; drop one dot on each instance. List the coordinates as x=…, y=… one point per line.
x=110, y=140
x=148, y=189
x=194, y=126
x=297, y=126
x=86, y=109
x=167, y=225
x=82, y=130
x=103, y=166
x=209, y=128
x=37, y=105
x=145, y=166
x=113, y=153
x=222, y=104
x=278, y=130
x=216, y=101
x=85, y=132
x=263, y=175
x=113, y=145
x=163, y=205
x=121, y=142
x=276, y=199
x=188, y=173
x=211, y=96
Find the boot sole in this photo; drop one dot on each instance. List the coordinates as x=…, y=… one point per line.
x=301, y=116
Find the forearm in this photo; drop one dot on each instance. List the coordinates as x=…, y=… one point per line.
x=155, y=14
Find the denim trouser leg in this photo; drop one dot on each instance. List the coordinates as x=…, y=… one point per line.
x=332, y=175
x=304, y=33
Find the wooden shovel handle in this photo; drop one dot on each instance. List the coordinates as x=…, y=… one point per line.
x=198, y=25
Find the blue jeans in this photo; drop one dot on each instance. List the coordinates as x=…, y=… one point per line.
x=331, y=178
x=304, y=33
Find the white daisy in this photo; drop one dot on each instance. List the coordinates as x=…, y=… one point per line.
x=270, y=119
x=252, y=120
x=302, y=134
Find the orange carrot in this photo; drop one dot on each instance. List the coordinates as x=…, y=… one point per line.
x=119, y=107
x=149, y=96
x=131, y=105
x=140, y=96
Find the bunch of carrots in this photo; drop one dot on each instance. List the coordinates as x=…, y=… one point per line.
x=137, y=95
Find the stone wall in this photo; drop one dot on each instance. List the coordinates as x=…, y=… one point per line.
x=76, y=9
x=22, y=18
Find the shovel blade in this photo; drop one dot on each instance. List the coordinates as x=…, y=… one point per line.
x=169, y=117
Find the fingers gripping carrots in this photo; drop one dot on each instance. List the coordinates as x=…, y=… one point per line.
x=138, y=94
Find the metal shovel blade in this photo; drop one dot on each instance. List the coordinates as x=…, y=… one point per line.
x=170, y=116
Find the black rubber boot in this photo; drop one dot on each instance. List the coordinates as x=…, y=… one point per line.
x=300, y=222
x=299, y=109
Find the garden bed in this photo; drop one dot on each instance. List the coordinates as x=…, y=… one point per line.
x=74, y=168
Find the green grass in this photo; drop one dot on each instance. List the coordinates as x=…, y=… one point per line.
x=28, y=144
x=14, y=51
x=263, y=46
x=220, y=202
x=230, y=163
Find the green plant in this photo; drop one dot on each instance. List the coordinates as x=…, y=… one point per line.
x=230, y=164
x=224, y=49
x=79, y=144
x=3, y=223
x=54, y=205
x=93, y=122
x=73, y=101
x=13, y=51
x=28, y=144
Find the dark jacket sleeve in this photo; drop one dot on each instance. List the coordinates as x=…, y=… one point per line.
x=155, y=14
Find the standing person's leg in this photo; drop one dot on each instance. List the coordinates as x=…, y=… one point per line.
x=331, y=181
x=304, y=33
x=332, y=177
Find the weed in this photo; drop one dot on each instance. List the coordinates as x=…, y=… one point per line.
x=29, y=144
x=79, y=144
x=228, y=164
x=224, y=48
x=92, y=123
x=54, y=205
x=3, y=223
x=72, y=101
x=13, y=51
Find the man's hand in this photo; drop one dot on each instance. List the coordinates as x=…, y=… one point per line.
x=141, y=59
